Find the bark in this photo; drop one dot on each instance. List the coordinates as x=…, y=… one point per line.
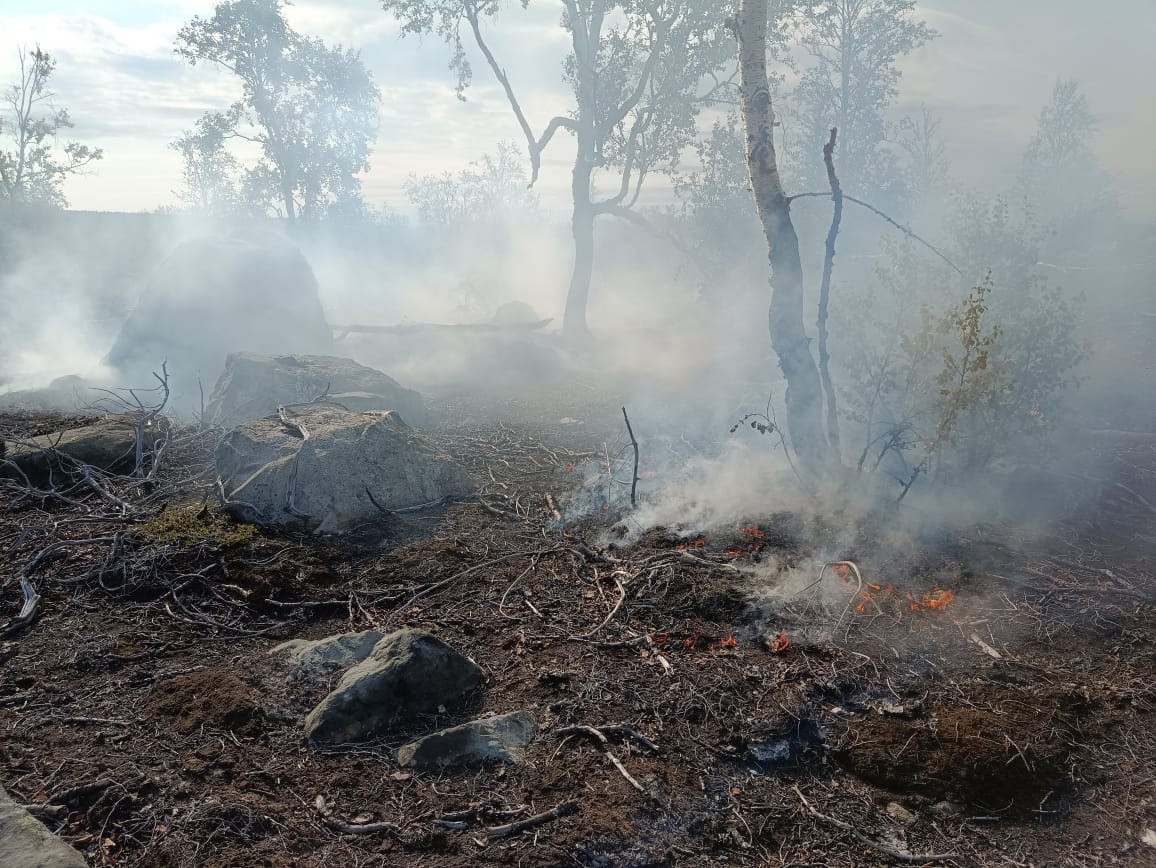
x=586, y=32
x=788, y=334
x=582, y=226
x=287, y=199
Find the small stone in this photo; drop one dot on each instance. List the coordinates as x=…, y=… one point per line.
x=1149, y=838
x=946, y=809
x=501, y=739
x=897, y=812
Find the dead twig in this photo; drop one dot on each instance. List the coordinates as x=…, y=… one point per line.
x=599, y=739
x=825, y=295
x=634, y=478
x=613, y=611
x=518, y=826
x=921, y=858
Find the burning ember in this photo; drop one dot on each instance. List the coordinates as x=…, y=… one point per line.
x=871, y=593
x=693, y=544
x=781, y=642
x=937, y=599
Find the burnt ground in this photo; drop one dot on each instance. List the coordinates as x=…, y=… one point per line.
x=981, y=697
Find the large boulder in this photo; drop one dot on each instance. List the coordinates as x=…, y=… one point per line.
x=26, y=843
x=108, y=444
x=213, y=296
x=479, y=743
x=331, y=470
x=254, y=385
x=410, y=676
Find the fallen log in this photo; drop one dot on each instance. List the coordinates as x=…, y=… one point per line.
x=340, y=332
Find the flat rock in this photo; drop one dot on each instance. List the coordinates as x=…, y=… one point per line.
x=107, y=444
x=410, y=675
x=26, y=843
x=254, y=386
x=316, y=658
x=343, y=473
x=479, y=743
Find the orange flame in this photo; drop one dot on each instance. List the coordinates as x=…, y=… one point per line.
x=937, y=599
x=728, y=642
x=843, y=572
x=781, y=643
x=753, y=531
x=693, y=544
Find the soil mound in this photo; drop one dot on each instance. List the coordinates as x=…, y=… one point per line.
x=213, y=695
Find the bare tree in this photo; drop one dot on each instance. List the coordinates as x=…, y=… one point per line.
x=921, y=139
x=788, y=333
x=32, y=167
x=635, y=67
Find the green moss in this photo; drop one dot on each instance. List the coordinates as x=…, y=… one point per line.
x=194, y=526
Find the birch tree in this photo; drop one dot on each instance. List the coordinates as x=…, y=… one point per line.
x=788, y=332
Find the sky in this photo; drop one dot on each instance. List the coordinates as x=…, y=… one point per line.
x=988, y=74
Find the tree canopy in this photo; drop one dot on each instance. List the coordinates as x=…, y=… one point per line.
x=312, y=109
x=33, y=163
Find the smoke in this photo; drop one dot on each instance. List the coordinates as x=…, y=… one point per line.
x=680, y=336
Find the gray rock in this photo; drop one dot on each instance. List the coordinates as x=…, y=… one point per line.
x=410, y=675
x=348, y=468
x=26, y=843
x=69, y=394
x=254, y=386
x=316, y=659
x=516, y=313
x=501, y=739
x=107, y=444
x=214, y=296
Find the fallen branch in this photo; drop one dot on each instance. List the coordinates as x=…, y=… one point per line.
x=27, y=612
x=349, y=828
x=517, y=827
x=875, y=845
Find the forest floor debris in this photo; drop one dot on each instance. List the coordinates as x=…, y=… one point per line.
x=681, y=720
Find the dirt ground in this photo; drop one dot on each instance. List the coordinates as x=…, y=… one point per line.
x=979, y=697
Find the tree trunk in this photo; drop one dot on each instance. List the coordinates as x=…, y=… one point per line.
x=788, y=334
x=287, y=199
x=582, y=225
